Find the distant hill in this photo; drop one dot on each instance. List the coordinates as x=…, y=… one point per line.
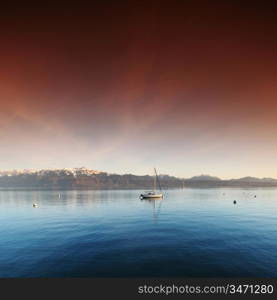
x=254, y=179
x=247, y=179
x=80, y=178
x=204, y=178
x=83, y=178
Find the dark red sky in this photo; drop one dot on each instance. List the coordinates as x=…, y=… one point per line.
x=121, y=86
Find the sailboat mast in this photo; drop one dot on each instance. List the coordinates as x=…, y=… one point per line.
x=157, y=179
x=154, y=182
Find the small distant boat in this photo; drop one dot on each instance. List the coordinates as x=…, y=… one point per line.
x=35, y=205
x=153, y=194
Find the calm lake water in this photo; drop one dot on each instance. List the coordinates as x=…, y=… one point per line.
x=190, y=233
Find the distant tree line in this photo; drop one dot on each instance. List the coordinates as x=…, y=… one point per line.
x=65, y=180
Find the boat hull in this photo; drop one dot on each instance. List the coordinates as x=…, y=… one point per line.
x=151, y=196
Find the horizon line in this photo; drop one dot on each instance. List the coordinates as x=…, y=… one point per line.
x=126, y=173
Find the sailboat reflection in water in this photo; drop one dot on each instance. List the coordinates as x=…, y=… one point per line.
x=154, y=193
x=156, y=207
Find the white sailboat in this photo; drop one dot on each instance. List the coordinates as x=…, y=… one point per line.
x=154, y=193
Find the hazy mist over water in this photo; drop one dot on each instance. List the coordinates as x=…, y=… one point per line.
x=190, y=233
